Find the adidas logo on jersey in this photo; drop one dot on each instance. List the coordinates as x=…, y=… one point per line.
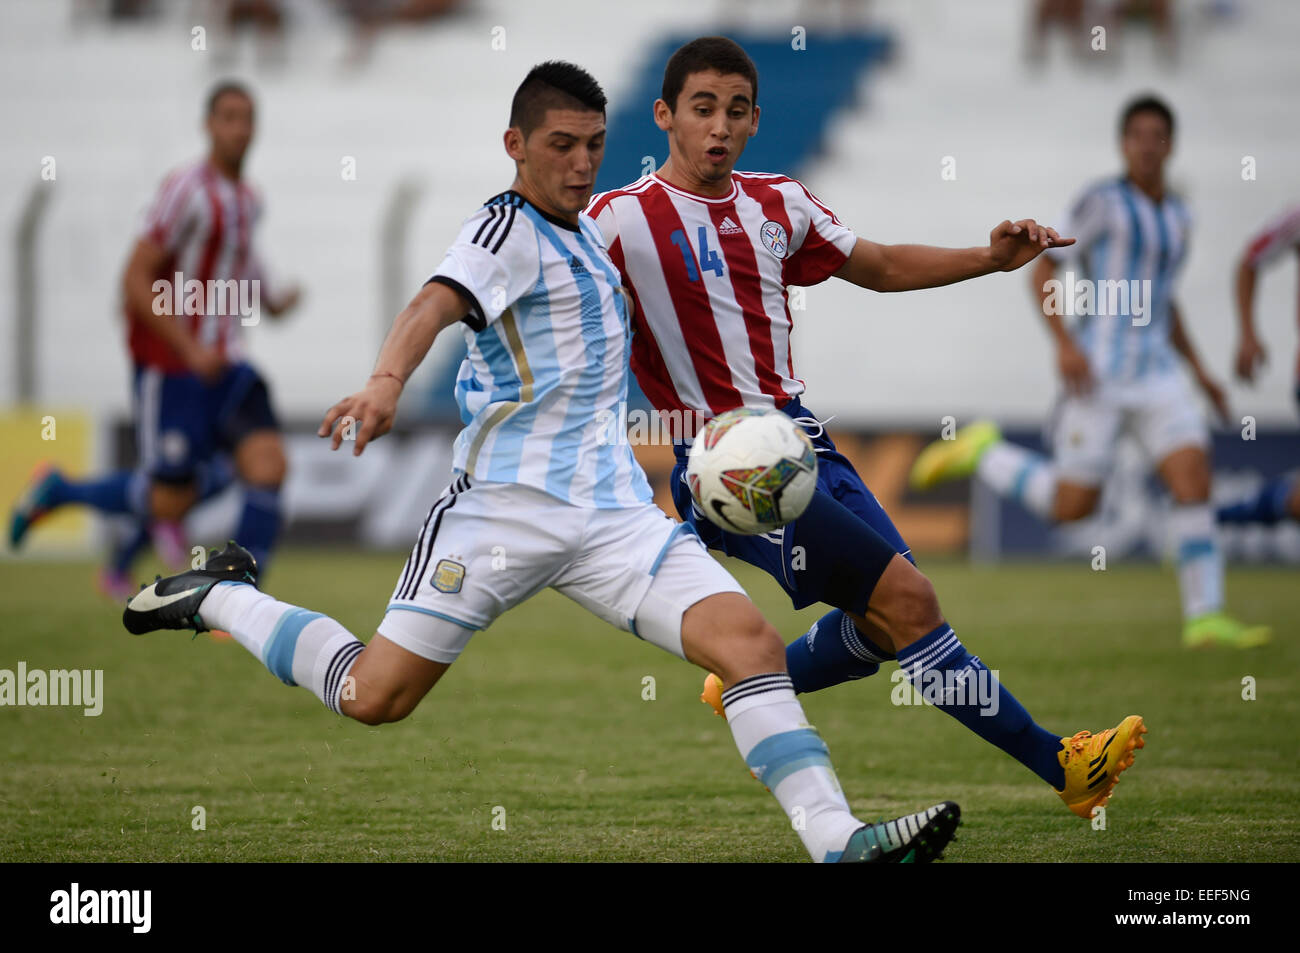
x=728, y=227
x=576, y=266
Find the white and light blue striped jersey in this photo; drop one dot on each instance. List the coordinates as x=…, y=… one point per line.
x=547, y=370
x=1130, y=249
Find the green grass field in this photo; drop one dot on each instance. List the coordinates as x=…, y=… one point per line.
x=544, y=717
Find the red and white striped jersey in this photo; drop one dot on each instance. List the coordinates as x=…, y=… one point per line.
x=205, y=222
x=1279, y=236
x=708, y=277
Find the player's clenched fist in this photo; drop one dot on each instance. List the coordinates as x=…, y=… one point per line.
x=363, y=416
x=1013, y=244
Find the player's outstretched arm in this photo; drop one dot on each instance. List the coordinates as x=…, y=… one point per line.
x=1250, y=350
x=369, y=413
x=911, y=267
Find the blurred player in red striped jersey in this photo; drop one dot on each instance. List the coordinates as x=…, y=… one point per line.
x=1278, y=498
x=193, y=279
x=707, y=254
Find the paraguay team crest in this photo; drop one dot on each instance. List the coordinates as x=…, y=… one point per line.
x=774, y=238
x=448, y=576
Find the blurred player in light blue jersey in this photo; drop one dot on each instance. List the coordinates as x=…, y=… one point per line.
x=1119, y=364
x=538, y=497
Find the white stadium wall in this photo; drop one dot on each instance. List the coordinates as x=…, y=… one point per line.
x=429, y=108
x=427, y=112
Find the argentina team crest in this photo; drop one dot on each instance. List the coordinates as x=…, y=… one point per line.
x=774, y=238
x=448, y=576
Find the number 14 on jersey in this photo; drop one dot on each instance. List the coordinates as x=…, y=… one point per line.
x=709, y=259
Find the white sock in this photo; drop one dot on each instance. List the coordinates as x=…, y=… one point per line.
x=1021, y=475
x=786, y=754
x=297, y=646
x=1200, y=560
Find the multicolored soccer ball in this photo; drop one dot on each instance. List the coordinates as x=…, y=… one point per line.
x=751, y=471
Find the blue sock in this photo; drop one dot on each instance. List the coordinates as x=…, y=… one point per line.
x=831, y=652
x=110, y=494
x=259, y=524
x=949, y=677
x=1268, y=506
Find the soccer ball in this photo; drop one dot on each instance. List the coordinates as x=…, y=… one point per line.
x=751, y=471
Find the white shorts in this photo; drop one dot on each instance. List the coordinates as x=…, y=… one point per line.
x=487, y=547
x=1161, y=413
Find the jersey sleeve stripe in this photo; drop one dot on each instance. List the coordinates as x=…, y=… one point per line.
x=502, y=214
x=510, y=220
x=493, y=212
x=813, y=199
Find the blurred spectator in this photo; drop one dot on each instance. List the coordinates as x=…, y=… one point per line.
x=264, y=18
x=370, y=16
x=86, y=11
x=1160, y=15
x=1077, y=18
x=1066, y=15
x=265, y=15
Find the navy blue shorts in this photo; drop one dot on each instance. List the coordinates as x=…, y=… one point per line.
x=834, y=553
x=182, y=423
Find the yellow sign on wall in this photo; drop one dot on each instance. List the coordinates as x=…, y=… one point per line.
x=35, y=438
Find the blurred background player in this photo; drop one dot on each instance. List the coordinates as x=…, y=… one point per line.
x=1120, y=370
x=1278, y=498
x=195, y=396
x=707, y=253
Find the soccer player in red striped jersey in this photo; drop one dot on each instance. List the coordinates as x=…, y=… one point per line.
x=193, y=280
x=706, y=254
x=1279, y=497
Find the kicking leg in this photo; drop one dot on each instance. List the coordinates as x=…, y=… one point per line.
x=374, y=684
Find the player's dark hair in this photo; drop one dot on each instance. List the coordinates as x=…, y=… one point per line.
x=701, y=55
x=554, y=84
x=1147, y=104
x=223, y=88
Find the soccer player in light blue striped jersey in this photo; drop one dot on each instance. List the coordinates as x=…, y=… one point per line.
x=539, y=498
x=1119, y=362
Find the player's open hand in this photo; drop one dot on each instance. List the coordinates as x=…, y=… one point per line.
x=286, y=302
x=1013, y=244
x=1250, y=357
x=364, y=416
